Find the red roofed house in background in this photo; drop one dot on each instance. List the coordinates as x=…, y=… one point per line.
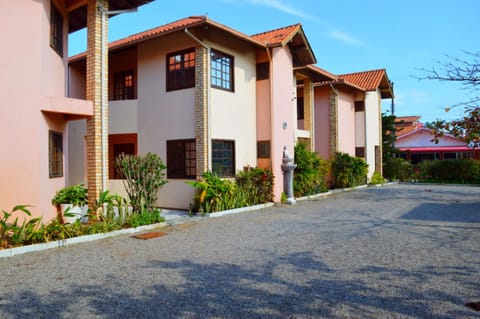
x=36, y=108
x=415, y=143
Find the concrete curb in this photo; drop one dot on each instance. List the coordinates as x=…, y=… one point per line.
x=239, y=210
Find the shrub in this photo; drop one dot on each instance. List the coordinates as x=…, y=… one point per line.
x=348, y=171
x=145, y=218
x=450, y=171
x=143, y=177
x=212, y=194
x=311, y=172
x=377, y=178
x=397, y=169
x=257, y=184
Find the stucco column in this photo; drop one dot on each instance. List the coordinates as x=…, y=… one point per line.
x=201, y=109
x=308, y=122
x=94, y=93
x=333, y=119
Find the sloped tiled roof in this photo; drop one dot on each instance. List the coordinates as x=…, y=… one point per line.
x=371, y=81
x=407, y=124
x=277, y=37
x=301, y=50
x=293, y=36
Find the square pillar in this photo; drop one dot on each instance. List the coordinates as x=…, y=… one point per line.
x=97, y=125
x=201, y=109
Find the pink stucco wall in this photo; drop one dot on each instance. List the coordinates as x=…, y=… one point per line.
x=283, y=112
x=322, y=122
x=346, y=123
x=33, y=99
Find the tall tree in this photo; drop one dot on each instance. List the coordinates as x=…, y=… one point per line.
x=388, y=136
x=465, y=71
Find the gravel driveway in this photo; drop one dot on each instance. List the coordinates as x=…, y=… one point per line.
x=398, y=251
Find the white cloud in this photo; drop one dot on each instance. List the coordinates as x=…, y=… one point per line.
x=345, y=37
x=281, y=6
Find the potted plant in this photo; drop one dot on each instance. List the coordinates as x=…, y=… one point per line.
x=71, y=203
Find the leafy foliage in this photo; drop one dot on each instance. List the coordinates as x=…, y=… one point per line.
x=397, y=169
x=75, y=195
x=252, y=186
x=145, y=218
x=450, y=171
x=388, y=136
x=311, y=172
x=257, y=183
x=349, y=171
x=377, y=178
x=144, y=176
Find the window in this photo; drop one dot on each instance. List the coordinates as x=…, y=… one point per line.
x=223, y=158
x=360, y=152
x=263, y=149
x=56, y=29
x=359, y=106
x=55, y=154
x=300, y=109
x=263, y=71
x=123, y=86
x=120, y=144
x=181, y=159
x=222, y=70
x=181, y=70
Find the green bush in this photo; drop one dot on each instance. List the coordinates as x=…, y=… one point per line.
x=450, y=171
x=377, y=178
x=145, y=218
x=348, y=171
x=311, y=172
x=397, y=169
x=257, y=183
x=143, y=177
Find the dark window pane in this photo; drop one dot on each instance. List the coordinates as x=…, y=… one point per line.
x=181, y=70
x=55, y=154
x=181, y=159
x=263, y=149
x=300, y=108
x=56, y=29
x=359, y=106
x=223, y=158
x=221, y=70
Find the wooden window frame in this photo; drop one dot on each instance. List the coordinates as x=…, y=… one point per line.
x=180, y=70
x=263, y=149
x=359, y=106
x=118, y=139
x=124, y=85
x=56, y=29
x=221, y=71
x=263, y=71
x=55, y=154
x=181, y=159
x=220, y=158
x=360, y=152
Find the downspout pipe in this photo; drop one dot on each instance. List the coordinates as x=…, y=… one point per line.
x=209, y=105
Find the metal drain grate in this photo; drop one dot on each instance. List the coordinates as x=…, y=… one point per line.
x=150, y=235
x=474, y=305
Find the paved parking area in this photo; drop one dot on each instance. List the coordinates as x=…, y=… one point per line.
x=398, y=251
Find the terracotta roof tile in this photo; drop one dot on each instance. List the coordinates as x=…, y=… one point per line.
x=369, y=80
x=277, y=37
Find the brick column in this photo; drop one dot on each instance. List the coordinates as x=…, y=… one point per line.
x=201, y=109
x=94, y=93
x=333, y=119
x=308, y=121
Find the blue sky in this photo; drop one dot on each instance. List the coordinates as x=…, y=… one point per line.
x=402, y=36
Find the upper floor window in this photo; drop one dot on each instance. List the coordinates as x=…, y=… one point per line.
x=55, y=154
x=222, y=70
x=124, y=86
x=300, y=108
x=359, y=106
x=181, y=70
x=263, y=71
x=56, y=29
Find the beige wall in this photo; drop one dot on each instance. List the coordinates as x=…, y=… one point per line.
x=346, y=123
x=372, y=123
